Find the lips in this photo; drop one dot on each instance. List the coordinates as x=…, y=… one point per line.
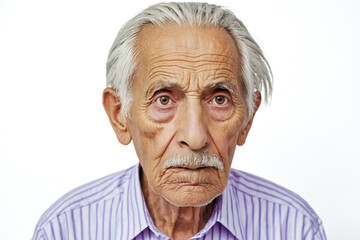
x=189, y=176
x=190, y=167
x=189, y=173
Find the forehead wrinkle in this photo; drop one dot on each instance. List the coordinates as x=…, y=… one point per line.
x=216, y=73
x=167, y=57
x=197, y=60
x=156, y=73
x=167, y=71
x=171, y=69
x=197, y=75
x=191, y=53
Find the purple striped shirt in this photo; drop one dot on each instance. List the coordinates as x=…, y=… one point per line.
x=113, y=207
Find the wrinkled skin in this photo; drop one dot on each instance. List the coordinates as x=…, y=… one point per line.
x=187, y=98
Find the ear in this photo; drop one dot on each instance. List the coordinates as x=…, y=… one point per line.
x=244, y=132
x=112, y=106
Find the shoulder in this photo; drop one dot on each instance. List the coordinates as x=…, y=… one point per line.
x=88, y=194
x=261, y=192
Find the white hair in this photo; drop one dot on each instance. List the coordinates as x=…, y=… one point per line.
x=121, y=65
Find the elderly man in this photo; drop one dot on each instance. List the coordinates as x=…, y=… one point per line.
x=184, y=82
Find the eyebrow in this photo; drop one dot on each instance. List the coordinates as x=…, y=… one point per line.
x=161, y=85
x=223, y=85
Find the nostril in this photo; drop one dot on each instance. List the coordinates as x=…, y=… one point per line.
x=184, y=143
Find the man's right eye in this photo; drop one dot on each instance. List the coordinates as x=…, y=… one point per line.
x=164, y=101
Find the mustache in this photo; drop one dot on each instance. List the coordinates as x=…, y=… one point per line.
x=195, y=160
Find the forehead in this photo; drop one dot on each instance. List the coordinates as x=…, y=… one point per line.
x=178, y=51
x=191, y=36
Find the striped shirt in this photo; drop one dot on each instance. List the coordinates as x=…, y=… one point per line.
x=113, y=207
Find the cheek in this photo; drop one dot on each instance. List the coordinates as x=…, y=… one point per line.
x=152, y=144
x=145, y=139
x=225, y=135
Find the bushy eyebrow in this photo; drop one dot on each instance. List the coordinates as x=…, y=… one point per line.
x=160, y=86
x=224, y=86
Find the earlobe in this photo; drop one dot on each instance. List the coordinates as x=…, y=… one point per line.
x=245, y=131
x=112, y=106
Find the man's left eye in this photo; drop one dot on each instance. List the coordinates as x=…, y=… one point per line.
x=219, y=100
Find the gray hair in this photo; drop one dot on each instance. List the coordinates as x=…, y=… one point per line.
x=121, y=64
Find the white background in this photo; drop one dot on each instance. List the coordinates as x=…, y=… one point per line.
x=54, y=134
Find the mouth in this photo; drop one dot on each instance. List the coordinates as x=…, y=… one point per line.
x=190, y=176
x=189, y=168
x=192, y=167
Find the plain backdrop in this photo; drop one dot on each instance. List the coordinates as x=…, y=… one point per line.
x=55, y=135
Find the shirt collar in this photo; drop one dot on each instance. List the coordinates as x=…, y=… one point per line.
x=138, y=218
x=228, y=213
x=134, y=212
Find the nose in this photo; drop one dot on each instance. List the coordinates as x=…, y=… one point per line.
x=192, y=126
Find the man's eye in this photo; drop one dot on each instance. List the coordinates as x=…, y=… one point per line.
x=219, y=100
x=164, y=100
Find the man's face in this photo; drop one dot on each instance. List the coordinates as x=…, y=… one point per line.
x=187, y=98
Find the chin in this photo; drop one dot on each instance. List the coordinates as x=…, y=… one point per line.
x=189, y=199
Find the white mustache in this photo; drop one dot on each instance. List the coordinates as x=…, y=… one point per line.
x=195, y=160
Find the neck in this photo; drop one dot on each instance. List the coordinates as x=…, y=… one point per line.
x=175, y=222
